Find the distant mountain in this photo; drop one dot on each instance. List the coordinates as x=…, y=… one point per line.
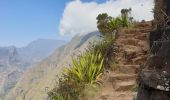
x=14, y=61
x=39, y=49
x=8, y=56
x=9, y=62
x=34, y=83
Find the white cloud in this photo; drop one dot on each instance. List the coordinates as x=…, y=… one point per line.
x=80, y=17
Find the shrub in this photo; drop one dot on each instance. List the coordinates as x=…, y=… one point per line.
x=66, y=90
x=124, y=21
x=106, y=48
x=108, y=25
x=86, y=70
x=135, y=87
x=102, y=23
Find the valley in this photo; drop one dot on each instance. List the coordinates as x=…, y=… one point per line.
x=15, y=61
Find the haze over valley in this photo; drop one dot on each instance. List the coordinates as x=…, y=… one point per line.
x=14, y=61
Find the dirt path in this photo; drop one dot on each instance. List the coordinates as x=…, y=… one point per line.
x=132, y=52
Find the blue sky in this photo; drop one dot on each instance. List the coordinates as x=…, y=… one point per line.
x=22, y=21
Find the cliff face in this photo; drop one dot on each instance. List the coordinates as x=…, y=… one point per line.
x=36, y=82
x=161, y=21
x=161, y=11
x=158, y=10
x=154, y=78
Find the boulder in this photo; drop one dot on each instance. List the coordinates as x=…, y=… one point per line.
x=154, y=78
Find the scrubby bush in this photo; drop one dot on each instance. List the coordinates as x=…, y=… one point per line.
x=106, y=50
x=86, y=70
x=102, y=23
x=66, y=90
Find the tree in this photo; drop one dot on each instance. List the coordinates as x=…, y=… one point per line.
x=109, y=26
x=102, y=23
x=125, y=17
x=126, y=12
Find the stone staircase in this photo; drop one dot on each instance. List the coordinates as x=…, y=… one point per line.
x=132, y=52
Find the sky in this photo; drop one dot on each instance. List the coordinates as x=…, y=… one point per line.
x=22, y=21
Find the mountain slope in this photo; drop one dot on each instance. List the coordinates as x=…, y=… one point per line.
x=8, y=56
x=42, y=77
x=14, y=61
x=9, y=63
x=39, y=49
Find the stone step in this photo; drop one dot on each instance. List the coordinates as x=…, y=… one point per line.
x=126, y=95
x=136, y=31
x=139, y=59
x=125, y=86
x=132, y=31
x=139, y=36
x=122, y=77
x=131, y=48
x=131, y=51
x=145, y=30
x=142, y=36
x=126, y=69
x=144, y=45
x=126, y=41
x=124, y=35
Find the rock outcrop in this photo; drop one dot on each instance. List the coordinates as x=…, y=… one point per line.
x=161, y=12
x=154, y=78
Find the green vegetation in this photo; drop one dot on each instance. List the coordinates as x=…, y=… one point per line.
x=86, y=68
x=105, y=48
x=81, y=80
x=109, y=26
x=135, y=87
x=67, y=90
x=86, y=71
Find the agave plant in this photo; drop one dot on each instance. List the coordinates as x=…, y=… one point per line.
x=113, y=24
x=86, y=68
x=124, y=21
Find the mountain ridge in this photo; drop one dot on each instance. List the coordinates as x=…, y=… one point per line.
x=41, y=78
x=13, y=63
